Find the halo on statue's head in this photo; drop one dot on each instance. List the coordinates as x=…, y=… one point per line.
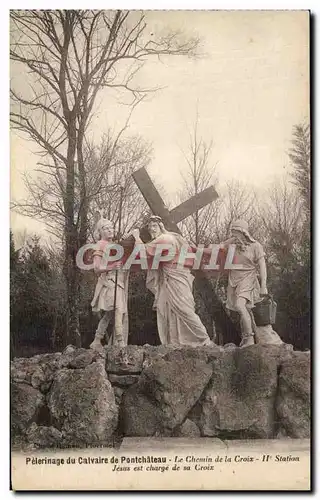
x=242, y=226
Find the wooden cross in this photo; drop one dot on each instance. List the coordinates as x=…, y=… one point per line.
x=170, y=220
x=157, y=206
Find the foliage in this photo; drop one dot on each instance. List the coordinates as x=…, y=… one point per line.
x=31, y=299
x=299, y=155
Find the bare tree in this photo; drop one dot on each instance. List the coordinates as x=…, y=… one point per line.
x=280, y=217
x=130, y=154
x=199, y=175
x=66, y=57
x=236, y=202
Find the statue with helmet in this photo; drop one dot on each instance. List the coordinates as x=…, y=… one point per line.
x=111, y=292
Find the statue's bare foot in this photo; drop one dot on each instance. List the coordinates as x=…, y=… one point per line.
x=96, y=344
x=120, y=343
x=247, y=341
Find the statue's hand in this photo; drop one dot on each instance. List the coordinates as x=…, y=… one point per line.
x=136, y=234
x=237, y=240
x=117, y=264
x=263, y=290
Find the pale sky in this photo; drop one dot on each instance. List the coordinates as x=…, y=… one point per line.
x=251, y=87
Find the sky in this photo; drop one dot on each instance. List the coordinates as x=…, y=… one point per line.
x=249, y=89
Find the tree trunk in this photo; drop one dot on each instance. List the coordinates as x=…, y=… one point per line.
x=73, y=291
x=71, y=272
x=84, y=201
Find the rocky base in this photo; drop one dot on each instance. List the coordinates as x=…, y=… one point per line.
x=85, y=398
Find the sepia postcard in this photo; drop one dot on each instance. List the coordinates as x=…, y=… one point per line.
x=160, y=300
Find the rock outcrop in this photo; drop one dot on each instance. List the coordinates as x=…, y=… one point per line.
x=293, y=400
x=82, y=405
x=239, y=400
x=26, y=406
x=85, y=398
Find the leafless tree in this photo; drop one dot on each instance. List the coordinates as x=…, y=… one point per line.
x=236, y=201
x=108, y=185
x=66, y=57
x=199, y=175
x=281, y=219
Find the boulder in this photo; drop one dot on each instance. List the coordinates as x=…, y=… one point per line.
x=122, y=361
x=154, y=353
x=293, y=399
x=37, y=371
x=83, y=397
x=123, y=380
x=47, y=358
x=82, y=405
x=44, y=437
x=118, y=391
x=164, y=394
x=239, y=400
x=187, y=429
x=77, y=358
x=139, y=414
x=26, y=404
x=204, y=354
x=39, y=379
x=22, y=369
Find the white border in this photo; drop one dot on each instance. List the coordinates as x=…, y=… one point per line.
x=5, y=179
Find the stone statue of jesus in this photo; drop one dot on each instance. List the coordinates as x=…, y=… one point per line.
x=177, y=320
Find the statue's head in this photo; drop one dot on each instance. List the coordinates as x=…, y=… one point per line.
x=104, y=230
x=240, y=229
x=155, y=226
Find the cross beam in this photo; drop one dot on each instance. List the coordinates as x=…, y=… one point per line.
x=158, y=207
x=153, y=198
x=194, y=203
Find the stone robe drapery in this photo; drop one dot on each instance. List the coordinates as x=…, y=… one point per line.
x=177, y=320
x=104, y=295
x=244, y=282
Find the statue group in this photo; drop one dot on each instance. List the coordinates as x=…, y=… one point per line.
x=172, y=286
